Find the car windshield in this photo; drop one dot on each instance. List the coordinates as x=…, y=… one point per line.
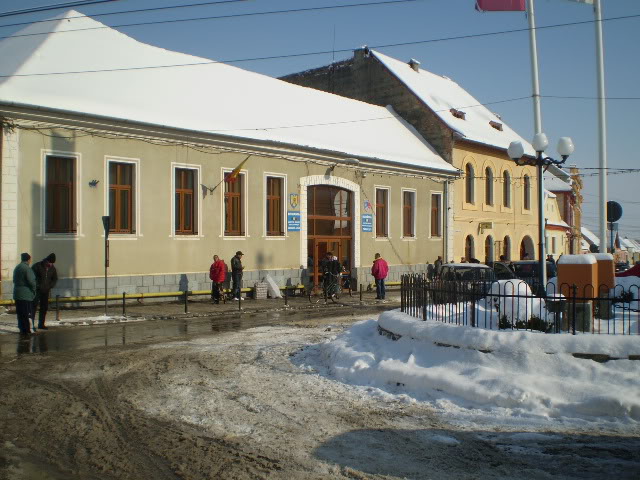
x=531, y=269
x=468, y=273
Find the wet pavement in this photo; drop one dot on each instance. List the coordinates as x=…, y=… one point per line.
x=168, y=322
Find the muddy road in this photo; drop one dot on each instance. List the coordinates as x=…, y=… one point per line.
x=234, y=402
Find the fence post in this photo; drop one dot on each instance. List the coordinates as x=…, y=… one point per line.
x=424, y=299
x=286, y=295
x=473, y=307
x=57, y=308
x=124, y=311
x=574, y=291
x=186, y=301
x=402, y=290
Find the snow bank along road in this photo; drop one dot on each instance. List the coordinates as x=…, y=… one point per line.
x=260, y=403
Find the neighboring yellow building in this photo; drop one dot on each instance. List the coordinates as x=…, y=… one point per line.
x=492, y=208
x=557, y=231
x=495, y=208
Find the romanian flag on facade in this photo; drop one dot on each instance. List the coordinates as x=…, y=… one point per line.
x=500, y=5
x=232, y=176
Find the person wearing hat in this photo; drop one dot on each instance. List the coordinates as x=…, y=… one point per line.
x=236, y=275
x=46, y=279
x=24, y=291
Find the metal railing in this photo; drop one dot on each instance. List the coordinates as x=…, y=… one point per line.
x=511, y=304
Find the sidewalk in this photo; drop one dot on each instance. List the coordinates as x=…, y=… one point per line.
x=93, y=313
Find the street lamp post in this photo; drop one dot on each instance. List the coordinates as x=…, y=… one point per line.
x=542, y=162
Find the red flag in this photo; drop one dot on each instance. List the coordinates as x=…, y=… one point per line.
x=501, y=5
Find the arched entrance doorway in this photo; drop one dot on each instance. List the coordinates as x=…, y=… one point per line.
x=527, y=250
x=488, y=249
x=329, y=227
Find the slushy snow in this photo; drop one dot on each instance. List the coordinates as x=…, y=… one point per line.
x=527, y=378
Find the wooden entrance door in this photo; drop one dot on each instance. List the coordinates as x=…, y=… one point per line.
x=329, y=227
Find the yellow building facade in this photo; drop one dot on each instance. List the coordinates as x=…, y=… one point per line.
x=494, y=206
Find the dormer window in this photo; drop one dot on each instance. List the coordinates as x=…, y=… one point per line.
x=458, y=113
x=496, y=125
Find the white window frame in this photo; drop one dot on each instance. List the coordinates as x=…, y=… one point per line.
x=197, y=200
x=413, y=219
x=264, y=205
x=388, y=219
x=245, y=176
x=440, y=221
x=136, y=195
x=43, y=197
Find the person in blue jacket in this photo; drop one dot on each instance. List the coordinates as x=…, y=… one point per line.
x=24, y=292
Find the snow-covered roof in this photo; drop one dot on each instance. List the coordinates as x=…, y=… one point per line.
x=584, y=259
x=555, y=184
x=441, y=94
x=589, y=236
x=628, y=244
x=205, y=96
x=558, y=223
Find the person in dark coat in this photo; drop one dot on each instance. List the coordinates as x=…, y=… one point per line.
x=24, y=292
x=236, y=275
x=330, y=268
x=218, y=275
x=46, y=279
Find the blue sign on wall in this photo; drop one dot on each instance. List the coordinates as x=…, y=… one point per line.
x=367, y=222
x=293, y=221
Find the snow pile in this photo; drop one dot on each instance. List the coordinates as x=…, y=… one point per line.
x=617, y=346
x=505, y=296
x=516, y=383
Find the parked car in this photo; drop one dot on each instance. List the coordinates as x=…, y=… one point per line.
x=460, y=282
x=503, y=271
x=527, y=270
x=622, y=267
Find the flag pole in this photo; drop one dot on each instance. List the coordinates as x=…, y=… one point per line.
x=537, y=123
x=602, y=128
x=535, y=81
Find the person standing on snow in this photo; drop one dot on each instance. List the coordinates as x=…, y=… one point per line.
x=24, y=291
x=380, y=270
x=236, y=275
x=46, y=279
x=218, y=275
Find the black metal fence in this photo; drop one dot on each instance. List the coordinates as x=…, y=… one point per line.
x=511, y=304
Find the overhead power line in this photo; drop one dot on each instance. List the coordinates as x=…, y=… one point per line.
x=332, y=7
x=138, y=10
x=57, y=6
x=303, y=54
x=224, y=17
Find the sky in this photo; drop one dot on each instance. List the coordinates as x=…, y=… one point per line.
x=493, y=68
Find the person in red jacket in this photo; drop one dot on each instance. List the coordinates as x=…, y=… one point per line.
x=380, y=270
x=218, y=275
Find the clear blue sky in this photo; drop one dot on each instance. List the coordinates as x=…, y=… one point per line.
x=491, y=68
